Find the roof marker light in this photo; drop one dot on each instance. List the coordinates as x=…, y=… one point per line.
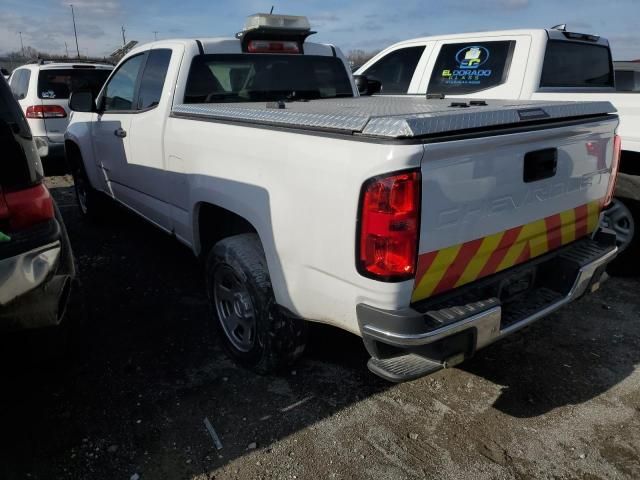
x=280, y=22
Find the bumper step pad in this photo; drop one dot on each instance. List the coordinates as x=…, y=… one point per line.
x=403, y=368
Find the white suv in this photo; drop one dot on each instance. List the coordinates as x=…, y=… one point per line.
x=43, y=89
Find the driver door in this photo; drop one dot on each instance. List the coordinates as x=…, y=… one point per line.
x=110, y=132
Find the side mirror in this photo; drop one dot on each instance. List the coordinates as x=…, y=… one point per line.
x=367, y=86
x=82, y=102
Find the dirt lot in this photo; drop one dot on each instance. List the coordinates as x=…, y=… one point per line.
x=559, y=400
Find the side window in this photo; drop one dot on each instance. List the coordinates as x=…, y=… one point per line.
x=627, y=81
x=15, y=79
x=120, y=91
x=396, y=69
x=463, y=68
x=24, y=83
x=20, y=83
x=153, y=77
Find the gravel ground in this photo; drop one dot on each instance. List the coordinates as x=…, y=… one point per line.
x=143, y=370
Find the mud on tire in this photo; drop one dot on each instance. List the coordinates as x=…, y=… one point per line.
x=238, y=282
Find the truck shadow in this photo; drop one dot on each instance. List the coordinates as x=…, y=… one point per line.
x=144, y=368
x=567, y=358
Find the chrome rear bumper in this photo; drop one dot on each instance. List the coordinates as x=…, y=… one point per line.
x=447, y=329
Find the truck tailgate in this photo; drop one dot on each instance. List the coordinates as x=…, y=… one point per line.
x=492, y=202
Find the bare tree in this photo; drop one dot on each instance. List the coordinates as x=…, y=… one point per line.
x=358, y=57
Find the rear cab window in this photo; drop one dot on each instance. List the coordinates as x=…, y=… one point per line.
x=463, y=68
x=396, y=69
x=59, y=83
x=576, y=65
x=232, y=78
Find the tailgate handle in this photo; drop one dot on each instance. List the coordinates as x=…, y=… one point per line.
x=540, y=164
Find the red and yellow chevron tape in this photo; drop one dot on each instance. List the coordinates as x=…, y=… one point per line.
x=454, y=266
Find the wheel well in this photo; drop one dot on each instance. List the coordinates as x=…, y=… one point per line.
x=630, y=162
x=216, y=223
x=72, y=154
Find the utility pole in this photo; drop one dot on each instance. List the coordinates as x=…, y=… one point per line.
x=66, y=48
x=124, y=41
x=21, y=44
x=156, y=34
x=75, y=32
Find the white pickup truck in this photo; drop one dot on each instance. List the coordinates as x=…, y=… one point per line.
x=428, y=228
x=534, y=64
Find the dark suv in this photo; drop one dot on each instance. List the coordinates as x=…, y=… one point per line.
x=36, y=263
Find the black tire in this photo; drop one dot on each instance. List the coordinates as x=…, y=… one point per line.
x=91, y=203
x=627, y=263
x=273, y=340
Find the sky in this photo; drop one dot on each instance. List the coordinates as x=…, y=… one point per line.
x=365, y=24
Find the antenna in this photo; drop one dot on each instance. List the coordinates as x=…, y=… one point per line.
x=271, y=12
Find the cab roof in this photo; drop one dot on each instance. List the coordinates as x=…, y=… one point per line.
x=229, y=45
x=67, y=65
x=549, y=32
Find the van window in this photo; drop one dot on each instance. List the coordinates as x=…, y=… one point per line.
x=155, y=71
x=576, y=64
x=59, y=83
x=20, y=83
x=471, y=67
x=395, y=70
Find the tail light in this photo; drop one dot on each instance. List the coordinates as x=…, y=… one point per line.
x=269, y=46
x=389, y=226
x=24, y=208
x=615, y=166
x=46, y=111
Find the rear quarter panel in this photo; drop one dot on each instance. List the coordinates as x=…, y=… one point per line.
x=301, y=192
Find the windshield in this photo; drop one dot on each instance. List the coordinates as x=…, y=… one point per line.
x=265, y=77
x=60, y=83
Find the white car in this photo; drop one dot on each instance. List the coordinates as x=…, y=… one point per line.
x=533, y=64
x=43, y=89
x=430, y=228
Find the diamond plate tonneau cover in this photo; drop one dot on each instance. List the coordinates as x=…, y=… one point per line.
x=392, y=117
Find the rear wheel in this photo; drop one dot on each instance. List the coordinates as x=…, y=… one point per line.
x=254, y=331
x=623, y=217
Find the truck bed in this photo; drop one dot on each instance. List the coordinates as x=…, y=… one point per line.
x=393, y=117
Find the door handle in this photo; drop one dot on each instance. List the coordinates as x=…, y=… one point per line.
x=120, y=132
x=540, y=165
